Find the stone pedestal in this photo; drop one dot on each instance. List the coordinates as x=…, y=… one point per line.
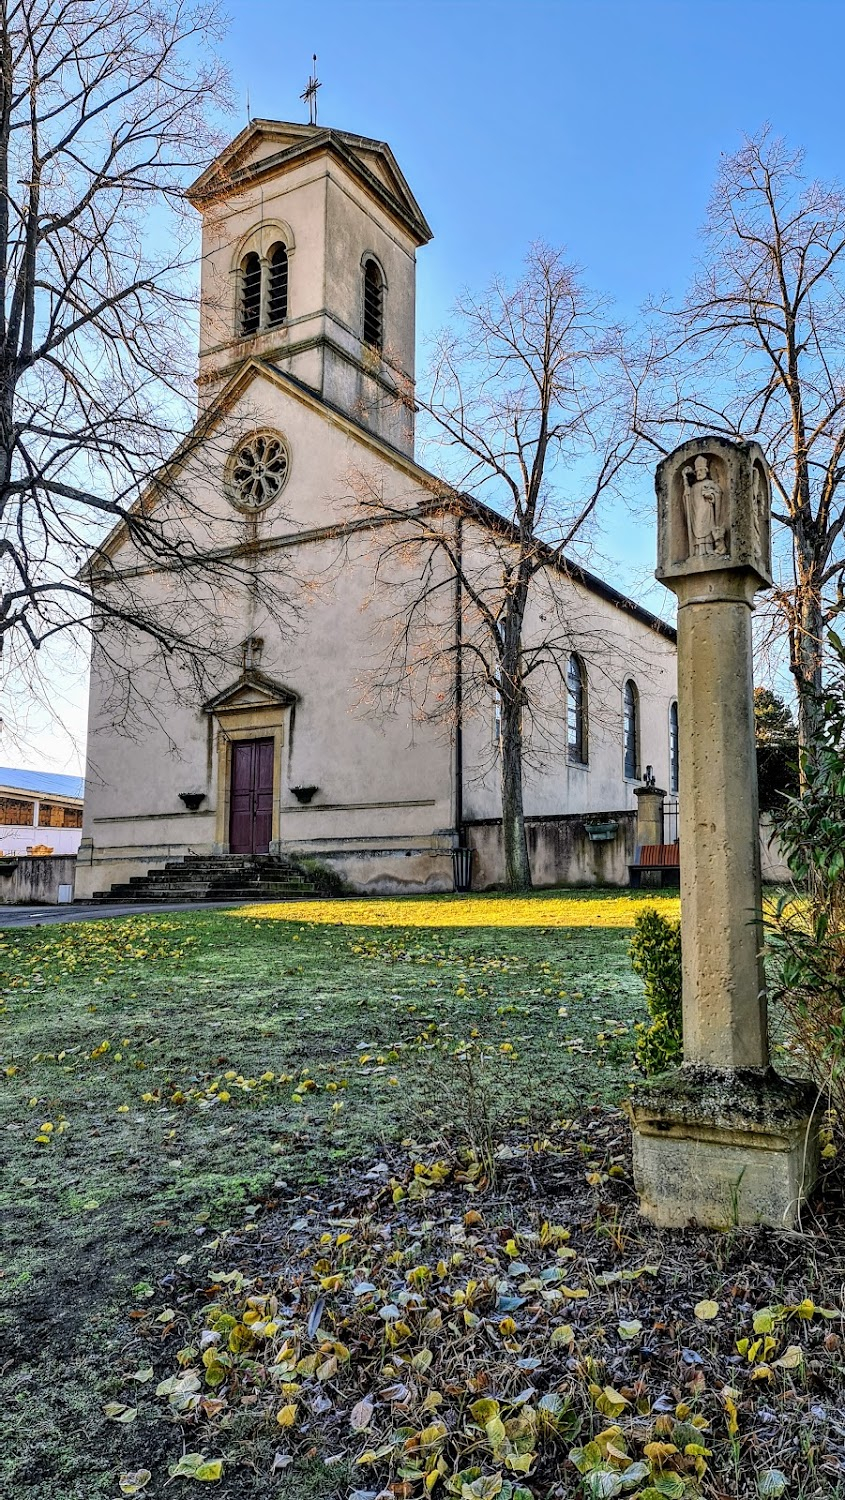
x=723, y=1140
x=722, y=1149
x=649, y=814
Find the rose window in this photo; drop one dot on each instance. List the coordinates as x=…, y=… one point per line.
x=258, y=470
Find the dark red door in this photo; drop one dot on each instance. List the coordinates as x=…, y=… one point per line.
x=251, y=811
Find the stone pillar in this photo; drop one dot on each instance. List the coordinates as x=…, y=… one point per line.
x=649, y=814
x=649, y=829
x=722, y=1140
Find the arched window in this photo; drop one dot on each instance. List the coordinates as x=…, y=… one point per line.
x=576, y=712
x=631, y=731
x=673, y=749
x=277, y=292
x=373, y=305
x=250, y=294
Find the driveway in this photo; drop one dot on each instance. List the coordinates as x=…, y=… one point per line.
x=45, y=916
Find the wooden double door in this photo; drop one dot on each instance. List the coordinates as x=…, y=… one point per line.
x=251, y=797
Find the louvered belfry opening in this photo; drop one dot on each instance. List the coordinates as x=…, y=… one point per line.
x=250, y=294
x=277, y=301
x=373, y=300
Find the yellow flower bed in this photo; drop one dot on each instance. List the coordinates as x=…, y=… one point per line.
x=572, y=910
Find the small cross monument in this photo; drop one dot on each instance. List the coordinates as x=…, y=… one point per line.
x=724, y=1139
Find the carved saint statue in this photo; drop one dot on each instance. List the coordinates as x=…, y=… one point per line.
x=703, y=506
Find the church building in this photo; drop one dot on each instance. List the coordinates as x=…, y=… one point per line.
x=286, y=748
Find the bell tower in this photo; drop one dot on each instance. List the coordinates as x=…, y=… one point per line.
x=309, y=244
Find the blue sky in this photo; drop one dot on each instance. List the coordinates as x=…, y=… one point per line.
x=596, y=124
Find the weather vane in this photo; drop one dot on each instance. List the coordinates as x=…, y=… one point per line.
x=310, y=94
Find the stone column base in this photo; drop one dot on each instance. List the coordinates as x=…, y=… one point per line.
x=720, y=1149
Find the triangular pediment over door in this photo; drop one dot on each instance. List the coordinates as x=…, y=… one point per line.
x=252, y=690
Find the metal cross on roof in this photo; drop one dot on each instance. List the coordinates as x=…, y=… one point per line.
x=310, y=94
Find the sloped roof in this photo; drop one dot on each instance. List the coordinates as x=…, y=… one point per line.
x=45, y=783
x=484, y=514
x=253, y=368
x=371, y=162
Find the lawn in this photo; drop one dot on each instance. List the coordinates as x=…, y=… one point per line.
x=186, y=1100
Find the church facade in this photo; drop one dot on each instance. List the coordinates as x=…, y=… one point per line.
x=307, y=330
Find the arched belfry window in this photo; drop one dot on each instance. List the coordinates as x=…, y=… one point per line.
x=277, y=293
x=631, y=731
x=373, y=304
x=673, y=749
x=576, y=712
x=250, y=293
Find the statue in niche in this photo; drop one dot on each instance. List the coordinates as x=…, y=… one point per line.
x=703, y=507
x=251, y=653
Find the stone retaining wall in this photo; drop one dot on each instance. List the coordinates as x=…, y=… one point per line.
x=34, y=879
x=560, y=850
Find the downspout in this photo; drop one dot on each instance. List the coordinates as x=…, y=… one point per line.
x=459, y=686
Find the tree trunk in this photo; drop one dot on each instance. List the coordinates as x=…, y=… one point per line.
x=517, y=868
x=808, y=634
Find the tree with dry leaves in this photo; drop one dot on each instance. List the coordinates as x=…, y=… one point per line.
x=520, y=416
x=107, y=107
x=757, y=347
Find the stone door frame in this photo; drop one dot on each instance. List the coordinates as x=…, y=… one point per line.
x=254, y=708
x=236, y=725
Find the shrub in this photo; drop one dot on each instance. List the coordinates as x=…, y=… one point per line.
x=656, y=957
x=807, y=927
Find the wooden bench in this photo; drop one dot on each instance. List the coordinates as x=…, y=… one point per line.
x=659, y=863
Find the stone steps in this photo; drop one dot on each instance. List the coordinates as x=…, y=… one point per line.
x=200, y=878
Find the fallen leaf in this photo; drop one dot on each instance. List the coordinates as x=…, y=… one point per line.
x=790, y=1359
x=771, y=1483
x=631, y=1329
x=133, y=1482
x=706, y=1311
x=361, y=1415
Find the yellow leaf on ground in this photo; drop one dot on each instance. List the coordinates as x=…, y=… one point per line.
x=790, y=1359
x=707, y=1310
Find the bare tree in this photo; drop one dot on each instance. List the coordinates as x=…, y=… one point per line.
x=758, y=347
x=521, y=429
x=106, y=107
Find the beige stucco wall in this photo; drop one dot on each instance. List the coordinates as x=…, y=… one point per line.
x=380, y=776
x=329, y=225
x=614, y=646
x=384, y=768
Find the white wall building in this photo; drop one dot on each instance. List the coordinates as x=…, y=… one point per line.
x=307, y=327
x=40, y=810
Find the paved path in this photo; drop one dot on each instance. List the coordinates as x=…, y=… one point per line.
x=45, y=916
